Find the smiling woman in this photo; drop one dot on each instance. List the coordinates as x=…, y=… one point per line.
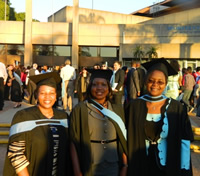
x=158, y=128
x=39, y=135
x=97, y=131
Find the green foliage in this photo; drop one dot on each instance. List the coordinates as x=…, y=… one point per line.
x=152, y=52
x=20, y=16
x=138, y=52
x=10, y=12
x=2, y=10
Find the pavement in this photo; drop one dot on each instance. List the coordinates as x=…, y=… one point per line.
x=8, y=112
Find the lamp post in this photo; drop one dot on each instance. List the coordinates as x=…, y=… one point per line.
x=5, y=8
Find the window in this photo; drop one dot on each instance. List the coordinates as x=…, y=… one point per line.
x=108, y=52
x=49, y=50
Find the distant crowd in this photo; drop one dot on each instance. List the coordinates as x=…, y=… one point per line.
x=127, y=83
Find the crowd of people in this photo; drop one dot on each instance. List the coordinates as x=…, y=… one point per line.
x=128, y=121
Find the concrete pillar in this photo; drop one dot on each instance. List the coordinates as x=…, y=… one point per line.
x=121, y=46
x=28, y=60
x=75, y=30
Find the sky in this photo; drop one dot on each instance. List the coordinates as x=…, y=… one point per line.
x=42, y=9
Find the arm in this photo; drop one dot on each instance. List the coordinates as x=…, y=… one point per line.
x=75, y=160
x=24, y=172
x=124, y=166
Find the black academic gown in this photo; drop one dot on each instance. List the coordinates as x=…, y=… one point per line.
x=79, y=135
x=38, y=141
x=179, y=128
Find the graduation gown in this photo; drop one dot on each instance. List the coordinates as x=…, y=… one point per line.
x=39, y=145
x=79, y=135
x=179, y=128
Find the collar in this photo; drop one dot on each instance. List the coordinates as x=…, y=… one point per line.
x=153, y=99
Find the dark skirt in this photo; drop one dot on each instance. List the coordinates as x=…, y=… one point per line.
x=16, y=94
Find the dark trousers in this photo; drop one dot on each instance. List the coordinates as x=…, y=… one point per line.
x=1, y=93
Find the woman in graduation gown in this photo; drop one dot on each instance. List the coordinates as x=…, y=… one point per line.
x=97, y=131
x=158, y=128
x=38, y=143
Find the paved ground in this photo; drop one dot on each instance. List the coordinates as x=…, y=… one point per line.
x=8, y=112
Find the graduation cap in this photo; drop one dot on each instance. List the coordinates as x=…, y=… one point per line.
x=161, y=65
x=50, y=79
x=98, y=73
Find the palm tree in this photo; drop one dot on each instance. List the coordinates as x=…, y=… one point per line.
x=152, y=52
x=138, y=52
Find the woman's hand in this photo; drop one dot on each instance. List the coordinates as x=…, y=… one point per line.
x=123, y=171
x=23, y=172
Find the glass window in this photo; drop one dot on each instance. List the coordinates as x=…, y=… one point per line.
x=2, y=50
x=88, y=51
x=62, y=51
x=48, y=50
x=42, y=50
x=15, y=49
x=108, y=52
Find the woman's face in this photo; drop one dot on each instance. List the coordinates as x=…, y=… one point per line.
x=46, y=96
x=99, y=89
x=156, y=83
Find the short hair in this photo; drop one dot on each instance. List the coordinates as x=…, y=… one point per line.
x=175, y=65
x=189, y=69
x=35, y=65
x=67, y=62
x=133, y=63
x=118, y=62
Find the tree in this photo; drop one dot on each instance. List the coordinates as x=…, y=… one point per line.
x=152, y=52
x=138, y=52
x=20, y=16
x=11, y=14
x=2, y=10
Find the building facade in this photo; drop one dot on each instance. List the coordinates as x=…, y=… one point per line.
x=89, y=36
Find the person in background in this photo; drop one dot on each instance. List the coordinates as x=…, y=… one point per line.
x=125, y=69
x=82, y=83
x=16, y=89
x=97, y=131
x=174, y=82
x=44, y=69
x=8, y=82
x=96, y=66
x=104, y=66
x=197, y=74
x=68, y=75
x=133, y=82
x=25, y=93
x=188, y=86
x=31, y=85
x=158, y=128
x=117, y=82
x=141, y=76
x=39, y=140
x=3, y=79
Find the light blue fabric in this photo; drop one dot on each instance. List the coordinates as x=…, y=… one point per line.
x=18, y=79
x=162, y=151
x=185, y=154
x=153, y=117
x=31, y=124
x=153, y=99
x=162, y=141
x=114, y=117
